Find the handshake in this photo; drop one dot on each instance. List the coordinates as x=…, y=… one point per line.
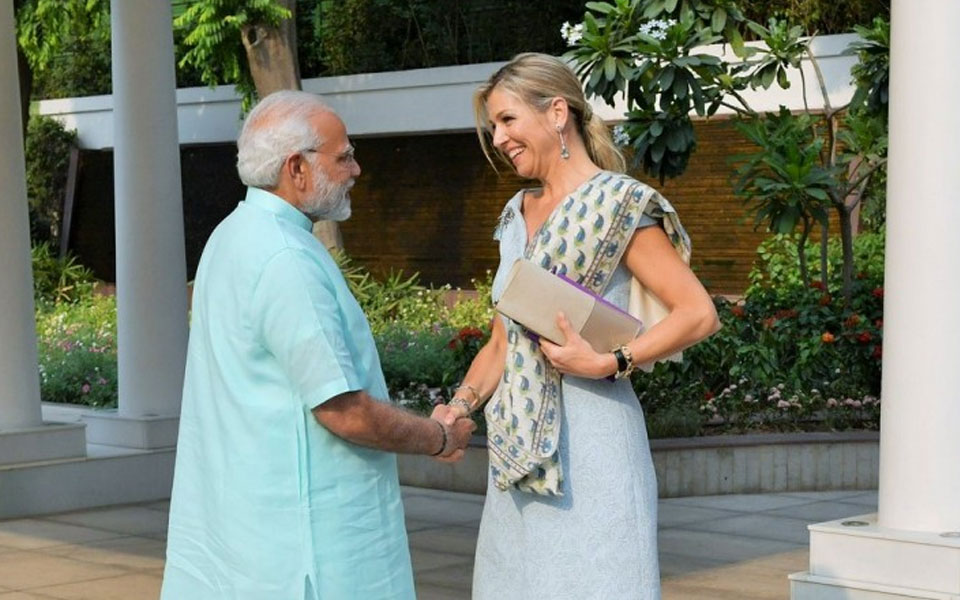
x=457, y=429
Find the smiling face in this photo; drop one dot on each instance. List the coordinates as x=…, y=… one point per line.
x=525, y=136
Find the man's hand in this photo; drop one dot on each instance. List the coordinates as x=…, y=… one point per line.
x=458, y=436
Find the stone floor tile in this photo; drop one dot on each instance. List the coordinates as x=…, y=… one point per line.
x=439, y=510
x=26, y=534
x=868, y=499
x=738, y=502
x=133, y=586
x=426, y=591
x=451, y=539
x=673, y=514
x=836, y=496
x=132, y=552
x=424, y=560
x=457, y=576
x=760, y=526
x=29, y=571
x=817, y=512
x=23, y=596
x=719, y=546
x=126, y=520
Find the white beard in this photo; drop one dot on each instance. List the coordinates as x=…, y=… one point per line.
x=329, y=201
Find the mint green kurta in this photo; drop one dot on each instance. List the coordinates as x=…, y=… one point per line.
x=267, y=504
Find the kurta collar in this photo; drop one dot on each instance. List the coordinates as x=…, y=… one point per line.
x=278, y=206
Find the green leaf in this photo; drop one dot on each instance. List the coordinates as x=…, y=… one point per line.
x=719, y=19
x=610, y=68
x=600, y=7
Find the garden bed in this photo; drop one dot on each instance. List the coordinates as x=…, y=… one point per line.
x=703, y=466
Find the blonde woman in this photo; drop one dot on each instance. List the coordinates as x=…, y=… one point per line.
x=571, y=507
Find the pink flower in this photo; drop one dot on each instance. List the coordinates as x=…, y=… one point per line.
x=783, y=404
x=85, y=388
x=102, y=381
x=832, y=402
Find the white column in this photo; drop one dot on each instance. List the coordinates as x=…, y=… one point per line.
x=151, y=264
x=24, y=437
x=19, y=380
x=911, y=548
x=920, y=442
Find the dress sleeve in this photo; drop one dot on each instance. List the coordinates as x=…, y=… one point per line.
x=646, y=220
x=299, y=322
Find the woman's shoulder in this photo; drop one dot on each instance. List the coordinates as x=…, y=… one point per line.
x=510, y=211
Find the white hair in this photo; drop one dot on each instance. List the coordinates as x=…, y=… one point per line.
x=278, y=126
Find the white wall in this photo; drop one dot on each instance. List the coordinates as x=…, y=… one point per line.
x=418, y=101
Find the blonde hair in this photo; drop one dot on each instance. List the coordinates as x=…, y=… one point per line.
x=537, y=79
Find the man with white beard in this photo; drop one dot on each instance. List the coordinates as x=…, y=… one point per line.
x=285, y=483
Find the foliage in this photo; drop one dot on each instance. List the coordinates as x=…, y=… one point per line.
x=872, y=71
x=47, y=157
x=58, y=280
x=67, y=44
x=819, y=16
x=651, y=52
x=776, y=266
x=784, y=180
x=76, y=343
x=211, y=32
x=362, y=36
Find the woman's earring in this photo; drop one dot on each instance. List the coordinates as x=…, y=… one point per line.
x=564, y=151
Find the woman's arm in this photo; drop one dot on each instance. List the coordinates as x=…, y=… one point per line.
x=654, y=262
x=484, y=373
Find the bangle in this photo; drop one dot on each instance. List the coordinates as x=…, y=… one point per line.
x=462, y=402
x=443, y=445
x=472, y=390
x=624, y=362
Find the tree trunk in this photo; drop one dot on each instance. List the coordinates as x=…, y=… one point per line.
x=802, y=252
x=824, y=250
x=272, y=56
x=26, y=81
x=846, y=238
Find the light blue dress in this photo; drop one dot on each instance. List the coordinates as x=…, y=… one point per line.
x=598, y=540
x=267, y=504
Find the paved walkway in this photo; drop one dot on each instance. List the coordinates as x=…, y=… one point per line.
x=711, y=548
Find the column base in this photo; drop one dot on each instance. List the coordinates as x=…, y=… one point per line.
x=856, y=559
x=108, y=428
x=50, y=441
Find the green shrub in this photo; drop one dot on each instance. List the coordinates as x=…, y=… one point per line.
x=47, y=156
x=57, y=279
x=76, y=343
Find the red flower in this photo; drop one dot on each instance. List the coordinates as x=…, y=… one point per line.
x=452, y=344
x=878, y=352
x=825, y=299
x=864, y=337
x=877, y=292
x=861, y=275
x=708, y=395
x=788, y=313
x=852, y=321
x=769, y=322
x=738, y=311
x=817, y=285
x=827, y=338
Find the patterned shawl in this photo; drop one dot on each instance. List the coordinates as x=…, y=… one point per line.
x=583, y=239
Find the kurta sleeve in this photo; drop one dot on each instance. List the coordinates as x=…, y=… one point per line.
x=299, y=321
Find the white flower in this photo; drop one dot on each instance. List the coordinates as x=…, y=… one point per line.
x=620, y=136
x=572, y=34
x=657, y=29
x=783, y=404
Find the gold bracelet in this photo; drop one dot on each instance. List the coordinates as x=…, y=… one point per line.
x=463, y=402
x=628, y=356
x=472, y=390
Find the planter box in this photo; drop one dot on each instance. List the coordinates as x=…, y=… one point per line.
x=703, y=466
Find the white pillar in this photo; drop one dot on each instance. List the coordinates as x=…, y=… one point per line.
x=24, y=437
x=19, y=379
x=911, y=548
x=919, y=441
x=151, y=263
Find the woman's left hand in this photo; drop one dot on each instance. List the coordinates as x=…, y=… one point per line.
x=577, y=356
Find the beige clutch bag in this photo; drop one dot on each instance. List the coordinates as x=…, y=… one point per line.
x=533, y=296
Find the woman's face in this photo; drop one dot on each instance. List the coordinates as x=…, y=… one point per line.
x=525, y=136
